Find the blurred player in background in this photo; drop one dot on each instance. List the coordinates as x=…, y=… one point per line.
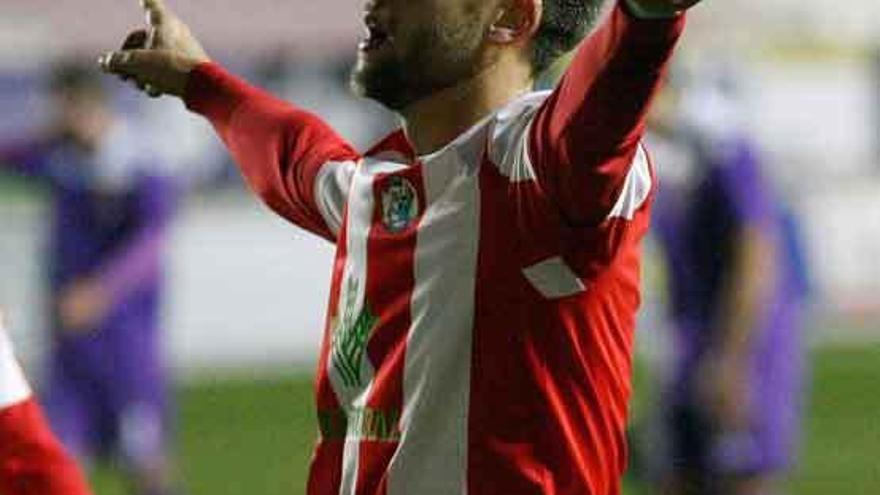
x=106, y=389
x=32, y=460
x=483, y=299
x=732, y=412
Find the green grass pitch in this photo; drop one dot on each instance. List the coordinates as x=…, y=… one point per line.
x=255, y=437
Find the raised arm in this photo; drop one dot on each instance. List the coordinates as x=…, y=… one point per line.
x=294, y=161
x=135, y=263
x=26, y=159
x=753, y=276
x=585, y=137
x=138, y=260
x=291, y=158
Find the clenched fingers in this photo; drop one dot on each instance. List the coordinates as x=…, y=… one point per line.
x=140, y=65
x=156, y=12
x=135, y=40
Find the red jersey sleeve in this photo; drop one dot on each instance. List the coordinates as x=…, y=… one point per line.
x=31, y=458
x=294, y=161
x=586, y=135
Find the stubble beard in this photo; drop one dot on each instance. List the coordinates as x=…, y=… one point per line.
x=437, y=58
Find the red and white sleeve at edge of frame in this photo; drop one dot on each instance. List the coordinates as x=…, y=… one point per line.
x=32, y=460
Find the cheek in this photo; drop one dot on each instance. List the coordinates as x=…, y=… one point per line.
x=443, y=38
x=447, y=40
x=69, y=117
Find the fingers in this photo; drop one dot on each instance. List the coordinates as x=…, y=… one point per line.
x=115, y=62
x=148, y=89
x=133, y=63
x=123, y=64
x=136, y=65
x=150, y=41
x=156, y=11
x=135, y=40
x=157, y=15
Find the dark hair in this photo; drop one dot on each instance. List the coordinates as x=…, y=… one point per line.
x=75, y=77
x=564, y=23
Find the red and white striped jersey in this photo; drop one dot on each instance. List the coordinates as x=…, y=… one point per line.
x=13, y=386
x=480, y=322
x=32, y=460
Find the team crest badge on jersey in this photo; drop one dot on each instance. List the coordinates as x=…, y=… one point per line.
x=400, y=205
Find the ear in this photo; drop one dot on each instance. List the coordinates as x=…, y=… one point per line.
x=515, y=20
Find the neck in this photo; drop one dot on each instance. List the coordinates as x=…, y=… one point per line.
x=436, y=120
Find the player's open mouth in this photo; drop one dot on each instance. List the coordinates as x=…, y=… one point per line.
x=375, y=36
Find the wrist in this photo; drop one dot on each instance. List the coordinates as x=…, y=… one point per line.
x=184, y=67
x=213, y=92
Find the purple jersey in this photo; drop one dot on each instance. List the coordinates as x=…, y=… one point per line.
x=713, y=191
x=109, y=216
x=710, y=190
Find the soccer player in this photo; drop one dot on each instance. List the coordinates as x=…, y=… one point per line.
x=32, y=461
x=106, y=387
x=732, y=410
x=479, y=330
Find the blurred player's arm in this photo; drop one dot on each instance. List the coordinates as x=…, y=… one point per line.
x=750, y=282
x=136, y=263
x=282, y=150
x=32, y=460
x=584, y=138
x=726, y=370
x=752, y=279
x=23, y=159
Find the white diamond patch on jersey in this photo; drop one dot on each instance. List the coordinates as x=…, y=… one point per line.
x=554, y=279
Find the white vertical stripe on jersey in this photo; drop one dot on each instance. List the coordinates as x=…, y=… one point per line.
x=331, y=188
x=360, y=217
x=636, y=187
x=508, y=146
x=436, y=380
x=13, y=386
x=360, y=213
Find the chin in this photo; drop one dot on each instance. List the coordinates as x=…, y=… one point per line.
x=381, y=81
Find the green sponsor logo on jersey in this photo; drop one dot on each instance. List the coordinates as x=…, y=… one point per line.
x=350, y=334
x=365, y=423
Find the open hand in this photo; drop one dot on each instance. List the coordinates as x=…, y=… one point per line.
x=159, y=57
